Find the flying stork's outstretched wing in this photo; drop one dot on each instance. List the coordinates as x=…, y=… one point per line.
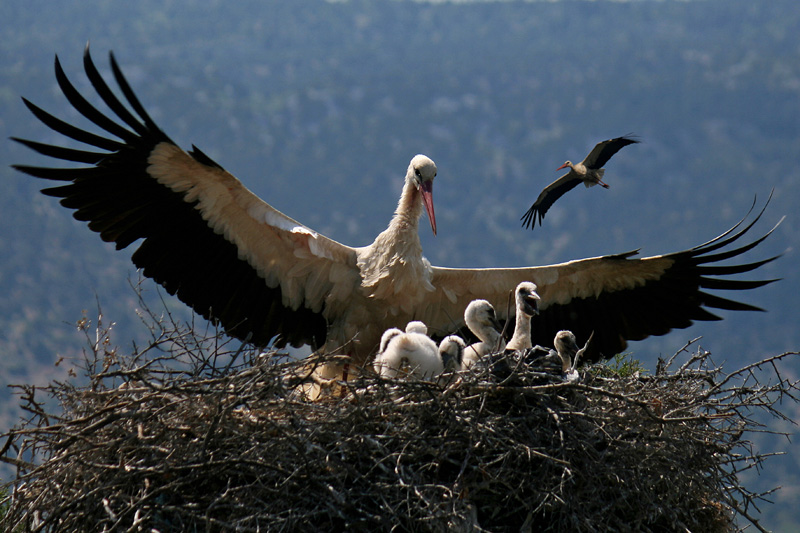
x=547, y=198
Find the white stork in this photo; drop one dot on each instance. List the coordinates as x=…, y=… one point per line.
x=589, y=172
x=527, y=305
x=267, y=278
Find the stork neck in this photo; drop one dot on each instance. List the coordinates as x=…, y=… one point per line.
x=490, y=337
x=566, y=361
x=396, y=253
x=409, y=208
x=522, y=333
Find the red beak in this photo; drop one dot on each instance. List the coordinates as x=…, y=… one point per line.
x=427, y=198
x=565, y=165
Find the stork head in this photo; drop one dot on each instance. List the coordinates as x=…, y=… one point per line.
x=451, y=350
x=527, y=299
x=565, y=165
x=416, y=326
x=387, y=337
x=567, y=347
x=479, y=316
x=421, y=172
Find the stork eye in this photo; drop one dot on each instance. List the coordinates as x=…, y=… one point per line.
x=416, y=171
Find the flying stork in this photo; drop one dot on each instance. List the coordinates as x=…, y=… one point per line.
x=589, y=172
x=266, y=278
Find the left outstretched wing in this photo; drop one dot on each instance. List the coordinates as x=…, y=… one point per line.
x=204, y=236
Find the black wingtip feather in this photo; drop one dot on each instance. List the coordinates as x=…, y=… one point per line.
x=47, y=173
x=107, y=95
x=734, y=284
x=201, y=157
x=131, y=97
x=718, y=302
x=71, y=131
x=88, y=110
x=60, y=152
x=727, y=270
x=529, y=218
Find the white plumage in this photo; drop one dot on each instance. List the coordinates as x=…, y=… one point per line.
x=408, y=353
x=482, y=321
x=388, y=335
x=451, y=352
x=527, y=305
x=415, y=326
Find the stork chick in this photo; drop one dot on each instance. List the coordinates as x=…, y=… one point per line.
x=414, y=351
x=387, y=336
x=482, y=322
x=567, y=347
x=527, y=304
x=415, y=326
x=451, y=352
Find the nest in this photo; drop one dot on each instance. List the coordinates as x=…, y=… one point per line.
x=195, y=433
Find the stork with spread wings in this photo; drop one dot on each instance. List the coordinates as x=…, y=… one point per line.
x=270, y=279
